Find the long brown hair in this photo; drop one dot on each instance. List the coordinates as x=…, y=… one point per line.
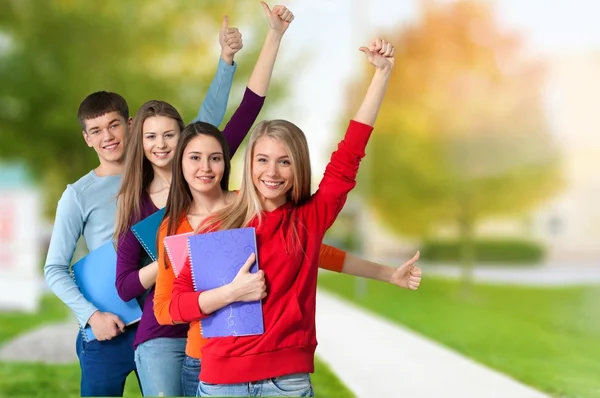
x=180, y=196
x=247, y=205
x=138, y=169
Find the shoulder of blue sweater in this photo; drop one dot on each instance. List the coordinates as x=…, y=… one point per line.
x=90, y=179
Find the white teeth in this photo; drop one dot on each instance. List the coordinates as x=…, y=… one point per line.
x=272, y=184
x=161, y=154
x=111, y=147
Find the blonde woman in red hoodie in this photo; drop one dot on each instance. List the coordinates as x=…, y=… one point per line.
x=290, y=224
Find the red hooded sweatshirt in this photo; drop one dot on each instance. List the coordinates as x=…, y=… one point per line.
x=290, y=261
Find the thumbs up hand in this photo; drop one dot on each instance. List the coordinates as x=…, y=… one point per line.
x=279, y=17
x=230, y=40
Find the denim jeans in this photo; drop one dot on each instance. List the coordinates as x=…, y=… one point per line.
x=190, y=373
x=295, y=385
x=159, y=363
x=105, y=365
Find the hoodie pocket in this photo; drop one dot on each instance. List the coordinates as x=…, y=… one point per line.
x=292, y=333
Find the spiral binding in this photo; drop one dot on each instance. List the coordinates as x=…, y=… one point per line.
x=82, y=330
x=143, y=244
x=169, y=256
x=168, y=251
x=192, y=265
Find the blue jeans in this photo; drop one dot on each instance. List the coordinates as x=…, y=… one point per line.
x=190, y=376
x=159, y=364
x=105, y=365
x=295, y=385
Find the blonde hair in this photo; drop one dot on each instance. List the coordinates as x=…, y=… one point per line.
x=247, y=205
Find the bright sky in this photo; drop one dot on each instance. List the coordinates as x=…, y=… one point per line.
x=330, y=32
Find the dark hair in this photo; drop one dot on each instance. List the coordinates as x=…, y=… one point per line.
x=180, y=196
x=138, y=169
x=101, y=103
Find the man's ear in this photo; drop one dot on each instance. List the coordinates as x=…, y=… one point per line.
x=130, y=123
x=86, y=138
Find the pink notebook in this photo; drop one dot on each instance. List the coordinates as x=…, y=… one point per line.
x=177, y=250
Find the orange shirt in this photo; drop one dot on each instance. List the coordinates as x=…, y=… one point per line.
x=330, y=258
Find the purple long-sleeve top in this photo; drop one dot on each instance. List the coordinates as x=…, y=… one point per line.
x=130, y=252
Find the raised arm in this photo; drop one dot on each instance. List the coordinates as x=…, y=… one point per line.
x=246, y=114
x=215, y=103
x=340, y=174
x=68, y=226
x=381, y=55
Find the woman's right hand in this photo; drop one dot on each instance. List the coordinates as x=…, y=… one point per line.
x=279, y=18
x=380, y=54
x=249, y=286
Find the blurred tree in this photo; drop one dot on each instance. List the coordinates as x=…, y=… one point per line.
x=461, y=135
x=54, y=53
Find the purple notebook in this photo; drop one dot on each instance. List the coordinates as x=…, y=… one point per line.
x=216, y=258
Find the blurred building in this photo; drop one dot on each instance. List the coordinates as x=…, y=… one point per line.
x=20, y=225
x=570, y=223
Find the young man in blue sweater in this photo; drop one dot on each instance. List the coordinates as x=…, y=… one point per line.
x=87, y=208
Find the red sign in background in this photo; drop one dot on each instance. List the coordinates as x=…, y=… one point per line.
x=7, y=233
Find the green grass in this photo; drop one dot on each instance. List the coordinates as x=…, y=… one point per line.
x=548, y=338
x=14, y=323
x=58, y=381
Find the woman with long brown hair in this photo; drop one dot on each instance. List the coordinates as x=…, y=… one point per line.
x=159, y=351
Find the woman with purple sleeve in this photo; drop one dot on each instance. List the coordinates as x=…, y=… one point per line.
x=160, y=349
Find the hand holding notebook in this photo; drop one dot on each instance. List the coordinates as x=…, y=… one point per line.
x=251, y=286
x=215, y=260
x=95, y=276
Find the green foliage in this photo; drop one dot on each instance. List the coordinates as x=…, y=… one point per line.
x=54, y=53
x=462, y=133
x=544, y=337
x=505, y=251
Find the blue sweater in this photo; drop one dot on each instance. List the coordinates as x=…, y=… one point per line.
x=88, y=208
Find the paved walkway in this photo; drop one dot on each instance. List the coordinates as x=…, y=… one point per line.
x=395, y=363
x=52, y=344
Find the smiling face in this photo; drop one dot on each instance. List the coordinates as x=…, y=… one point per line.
x=107, y=134
x=272, y=171
x=203, y=164
x=159, y=139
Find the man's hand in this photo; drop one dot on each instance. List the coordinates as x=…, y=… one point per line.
x=279, y=18
x=106, y=325
x=407, y=275
x=230, y=40
x=380, y=54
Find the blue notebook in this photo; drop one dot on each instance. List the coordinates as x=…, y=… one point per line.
x=216, y=258
x=95, y=276
x=146, y=230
